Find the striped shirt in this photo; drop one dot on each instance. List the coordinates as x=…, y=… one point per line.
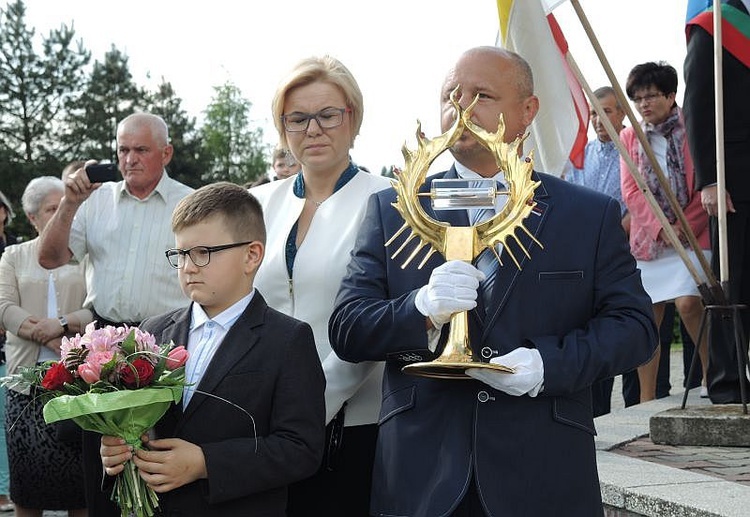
x=128, y=278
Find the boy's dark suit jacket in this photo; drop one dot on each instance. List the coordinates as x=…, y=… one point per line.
x=269, y=367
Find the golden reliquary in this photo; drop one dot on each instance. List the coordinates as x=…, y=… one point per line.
x=462, y=242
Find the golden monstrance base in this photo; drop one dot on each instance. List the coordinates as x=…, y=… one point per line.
x=450, y=370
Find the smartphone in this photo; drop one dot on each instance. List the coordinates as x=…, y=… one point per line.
x=101, y=172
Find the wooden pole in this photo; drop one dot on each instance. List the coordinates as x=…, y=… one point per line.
x=721, y=188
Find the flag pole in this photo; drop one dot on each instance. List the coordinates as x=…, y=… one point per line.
x=720, y=180
x=707, y=292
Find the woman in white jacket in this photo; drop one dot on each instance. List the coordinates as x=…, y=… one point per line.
x=312, y=220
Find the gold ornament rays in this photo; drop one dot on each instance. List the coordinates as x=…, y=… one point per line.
x=464, y=243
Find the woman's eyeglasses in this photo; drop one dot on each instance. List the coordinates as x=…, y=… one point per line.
x=646, y=98
x=326, y=118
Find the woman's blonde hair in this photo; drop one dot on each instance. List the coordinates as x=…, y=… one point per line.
x=324, y=69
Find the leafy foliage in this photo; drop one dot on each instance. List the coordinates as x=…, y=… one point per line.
x=109, y=95
x=36, y=88
x=235, y=150
x=188, y=161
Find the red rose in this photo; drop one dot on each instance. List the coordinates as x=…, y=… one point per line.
x=137, y=374
x=56, y=377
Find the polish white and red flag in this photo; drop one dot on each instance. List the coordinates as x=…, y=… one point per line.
x=559, y=131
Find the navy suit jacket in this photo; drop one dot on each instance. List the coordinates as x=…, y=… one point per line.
x=579, y=301
x=270, y=428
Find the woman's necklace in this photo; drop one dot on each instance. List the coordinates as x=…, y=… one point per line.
x=316, y=203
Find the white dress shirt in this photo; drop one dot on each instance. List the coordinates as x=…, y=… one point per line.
x=206, y=334
x=128, y=278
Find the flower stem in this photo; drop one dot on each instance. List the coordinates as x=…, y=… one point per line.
x=134, y=497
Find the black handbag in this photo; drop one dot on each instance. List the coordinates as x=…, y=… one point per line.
x=334, y=440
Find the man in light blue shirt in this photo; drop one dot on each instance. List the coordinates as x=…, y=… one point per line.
x=601, y=166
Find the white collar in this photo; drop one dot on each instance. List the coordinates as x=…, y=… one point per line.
x=224, y=318
x=467, y=174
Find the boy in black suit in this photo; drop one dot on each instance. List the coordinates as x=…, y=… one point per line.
x=253, y=420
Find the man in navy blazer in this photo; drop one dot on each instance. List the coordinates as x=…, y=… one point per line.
x=576, y=312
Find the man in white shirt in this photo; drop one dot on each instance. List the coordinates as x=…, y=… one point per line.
x=123, y=228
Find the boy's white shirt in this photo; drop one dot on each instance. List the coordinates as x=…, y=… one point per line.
x=200, y=354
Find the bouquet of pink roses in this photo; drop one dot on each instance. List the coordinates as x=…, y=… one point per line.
x=116, y=381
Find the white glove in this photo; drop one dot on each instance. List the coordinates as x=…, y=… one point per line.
x=528, y=378
x=452, y=288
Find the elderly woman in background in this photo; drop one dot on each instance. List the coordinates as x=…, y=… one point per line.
x=312, y=220
x=38, y=307
x=652, y=88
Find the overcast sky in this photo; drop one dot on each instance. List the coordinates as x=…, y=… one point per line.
x=399, y=50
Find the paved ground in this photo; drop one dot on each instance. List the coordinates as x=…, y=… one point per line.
x=667, y=481
x=728, y=463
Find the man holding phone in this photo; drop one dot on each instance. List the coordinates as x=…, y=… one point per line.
x=123, y=228
x=101, y=172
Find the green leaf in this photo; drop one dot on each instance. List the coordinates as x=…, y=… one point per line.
x=128, y=345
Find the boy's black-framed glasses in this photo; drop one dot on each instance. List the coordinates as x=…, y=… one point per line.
x=200, y=255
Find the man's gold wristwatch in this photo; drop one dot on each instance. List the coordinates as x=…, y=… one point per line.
x=64, y=323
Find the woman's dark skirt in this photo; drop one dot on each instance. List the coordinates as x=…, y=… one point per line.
x=45, y=460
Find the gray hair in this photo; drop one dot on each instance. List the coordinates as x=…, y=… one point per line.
x=8, y=209
x=37, y=190
x=606, y=91
x=156, y=125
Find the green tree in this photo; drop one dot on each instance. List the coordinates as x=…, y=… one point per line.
x=36, y=88
x=109, y=95
x=188, y=161
x=38, y=84
x=236, y=150
x=15, y=175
